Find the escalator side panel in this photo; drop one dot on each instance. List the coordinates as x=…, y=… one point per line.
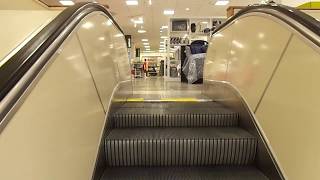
x=57, y=126
x=252, y=54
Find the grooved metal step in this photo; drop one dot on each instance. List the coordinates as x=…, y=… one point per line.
x=179, y=147
x=205, y=114
x=183, y=173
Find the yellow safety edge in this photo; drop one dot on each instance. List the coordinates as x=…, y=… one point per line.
x=160, y=100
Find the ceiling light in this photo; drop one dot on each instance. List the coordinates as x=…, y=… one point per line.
x=204, y=22
x=150, y=2
x=222, y=2
x=142, y=31
x=144, y=40
x=168, y=12
x=66, y=2
x=187, y=9
x=145, y=43
x=132, y=2
x=164, y=27
x=162, y=45
x=162, y=42
x=101, y=38
x=163, y=37
x=147, y=46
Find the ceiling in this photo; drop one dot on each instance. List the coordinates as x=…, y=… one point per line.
x=153, y=16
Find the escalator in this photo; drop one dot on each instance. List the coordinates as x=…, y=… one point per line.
x=191, y=140
x=69, y=110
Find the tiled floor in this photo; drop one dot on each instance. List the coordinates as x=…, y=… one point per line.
x=155, y=88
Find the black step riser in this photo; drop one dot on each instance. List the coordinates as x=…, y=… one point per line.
x=174, y=120
x=171, y=152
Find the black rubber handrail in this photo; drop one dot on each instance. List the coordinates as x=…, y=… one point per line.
x=14, y=69
x=302, y=18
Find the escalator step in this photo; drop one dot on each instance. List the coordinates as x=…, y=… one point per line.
x=183, y=173
x=205, y=114
x=174, y=120
x=179, y=147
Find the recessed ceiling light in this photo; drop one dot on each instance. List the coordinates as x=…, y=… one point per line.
x=142, y=31
x=145, y=43
x=204, y=22
x=66, y=2
x=168, y=12
x=101, y=38
x=144, y=40
x=163, y=37
x=147, y=46
x=132, y=2
x=222, y=2
x=150, y=2
x=187, y=9
x=164, y=27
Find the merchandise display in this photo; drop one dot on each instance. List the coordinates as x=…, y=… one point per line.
x=193, y=65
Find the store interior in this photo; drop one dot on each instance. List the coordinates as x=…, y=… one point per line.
x=159, y=89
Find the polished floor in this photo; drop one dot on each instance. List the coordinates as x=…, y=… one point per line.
x=159, y=88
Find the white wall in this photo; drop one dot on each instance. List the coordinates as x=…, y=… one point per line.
x=19, y=25
x=21, y=5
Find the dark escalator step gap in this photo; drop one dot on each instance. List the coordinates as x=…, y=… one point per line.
x=183, y=173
